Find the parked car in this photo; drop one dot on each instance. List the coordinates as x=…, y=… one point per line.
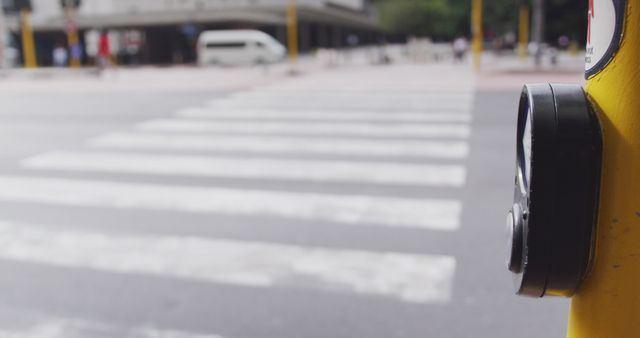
x=238, y=47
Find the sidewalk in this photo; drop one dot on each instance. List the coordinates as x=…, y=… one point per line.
x=179, y=78
x=142, y=79
x=510, y=72
x=498, y=73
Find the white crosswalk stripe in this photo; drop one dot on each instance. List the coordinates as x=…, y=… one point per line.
x=370, y=104
x=302, y=128
x=380, y=106
x=395, y=95
x=285, y=145
x=353, y=210
x=50, y=327
x=410, y=278
x=294, y=170
x=310, y=115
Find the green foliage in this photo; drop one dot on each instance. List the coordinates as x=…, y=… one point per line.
x=445, y=19
x=436, y=18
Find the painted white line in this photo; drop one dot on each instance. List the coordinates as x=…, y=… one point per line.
x=403, y=277
x=292, y=170
x=149, y=332
x=285, y=145
x=382, y=85
x=362, y=91
x=49, y=327
x=464, y=105
x=374, y=95
x=306, y=128
x=358, y=100
x=353, y=210
x=324, y=115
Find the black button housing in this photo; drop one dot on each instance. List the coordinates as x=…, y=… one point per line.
x=559, y=158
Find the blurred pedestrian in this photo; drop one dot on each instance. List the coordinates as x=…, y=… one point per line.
x=104, y=51
x=60, y=56
x=460, y=48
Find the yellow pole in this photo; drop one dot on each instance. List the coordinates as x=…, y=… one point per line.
x=73, y=39
x=476, y=29
x=28, y=44
x=523, y=44
x=608, y=304
x=292, y=31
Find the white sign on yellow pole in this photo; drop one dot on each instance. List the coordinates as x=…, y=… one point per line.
x=605, y=34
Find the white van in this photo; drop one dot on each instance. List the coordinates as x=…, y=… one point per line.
x=238, y=47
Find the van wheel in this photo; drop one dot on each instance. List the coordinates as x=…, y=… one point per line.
x=260, y=62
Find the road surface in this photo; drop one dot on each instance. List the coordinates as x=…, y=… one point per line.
x=350, y=203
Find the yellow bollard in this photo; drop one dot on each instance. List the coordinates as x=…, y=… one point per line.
x=523, y=40
x=28, y=43
x=477, y=32
x=608, y=303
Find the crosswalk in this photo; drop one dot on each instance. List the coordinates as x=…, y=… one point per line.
x=282, y=145
x=385, y=128
x=309, y=170
x=29, y=324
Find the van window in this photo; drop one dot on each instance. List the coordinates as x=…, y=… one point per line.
x=226, y=45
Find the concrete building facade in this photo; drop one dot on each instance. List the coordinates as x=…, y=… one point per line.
x=169, y=27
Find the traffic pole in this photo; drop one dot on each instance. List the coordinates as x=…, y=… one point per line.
x=538, y=29
x=477, y=32
x=608, y=303
x=28, y=43
x=523, y=32
x=292, y=33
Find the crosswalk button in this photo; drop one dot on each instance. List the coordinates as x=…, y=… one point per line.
x=551, y=224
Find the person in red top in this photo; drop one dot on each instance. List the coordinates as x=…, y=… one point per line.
x=104, y=50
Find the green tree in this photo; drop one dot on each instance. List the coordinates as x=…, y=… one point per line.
x=444, y=19
x=435, y=18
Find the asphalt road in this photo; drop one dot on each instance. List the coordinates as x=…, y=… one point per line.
x=367, y=202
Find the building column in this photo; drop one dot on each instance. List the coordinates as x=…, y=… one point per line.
x=305, y=36
x=281, y=34
x=337, y=38
x=323, y=36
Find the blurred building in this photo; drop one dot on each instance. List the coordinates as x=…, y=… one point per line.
x=164, y=31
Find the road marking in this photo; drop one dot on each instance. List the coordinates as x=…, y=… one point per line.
x=305, y=128
x=275, y=102
x=319, y=86
x=350, y=99
x=324, y=115
x=293, y=170
x=337, y=90
x=460, y=84
x=403, y=277
x=285, y=145
x=44, y=327
x=352, y=210
x=347, y=95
